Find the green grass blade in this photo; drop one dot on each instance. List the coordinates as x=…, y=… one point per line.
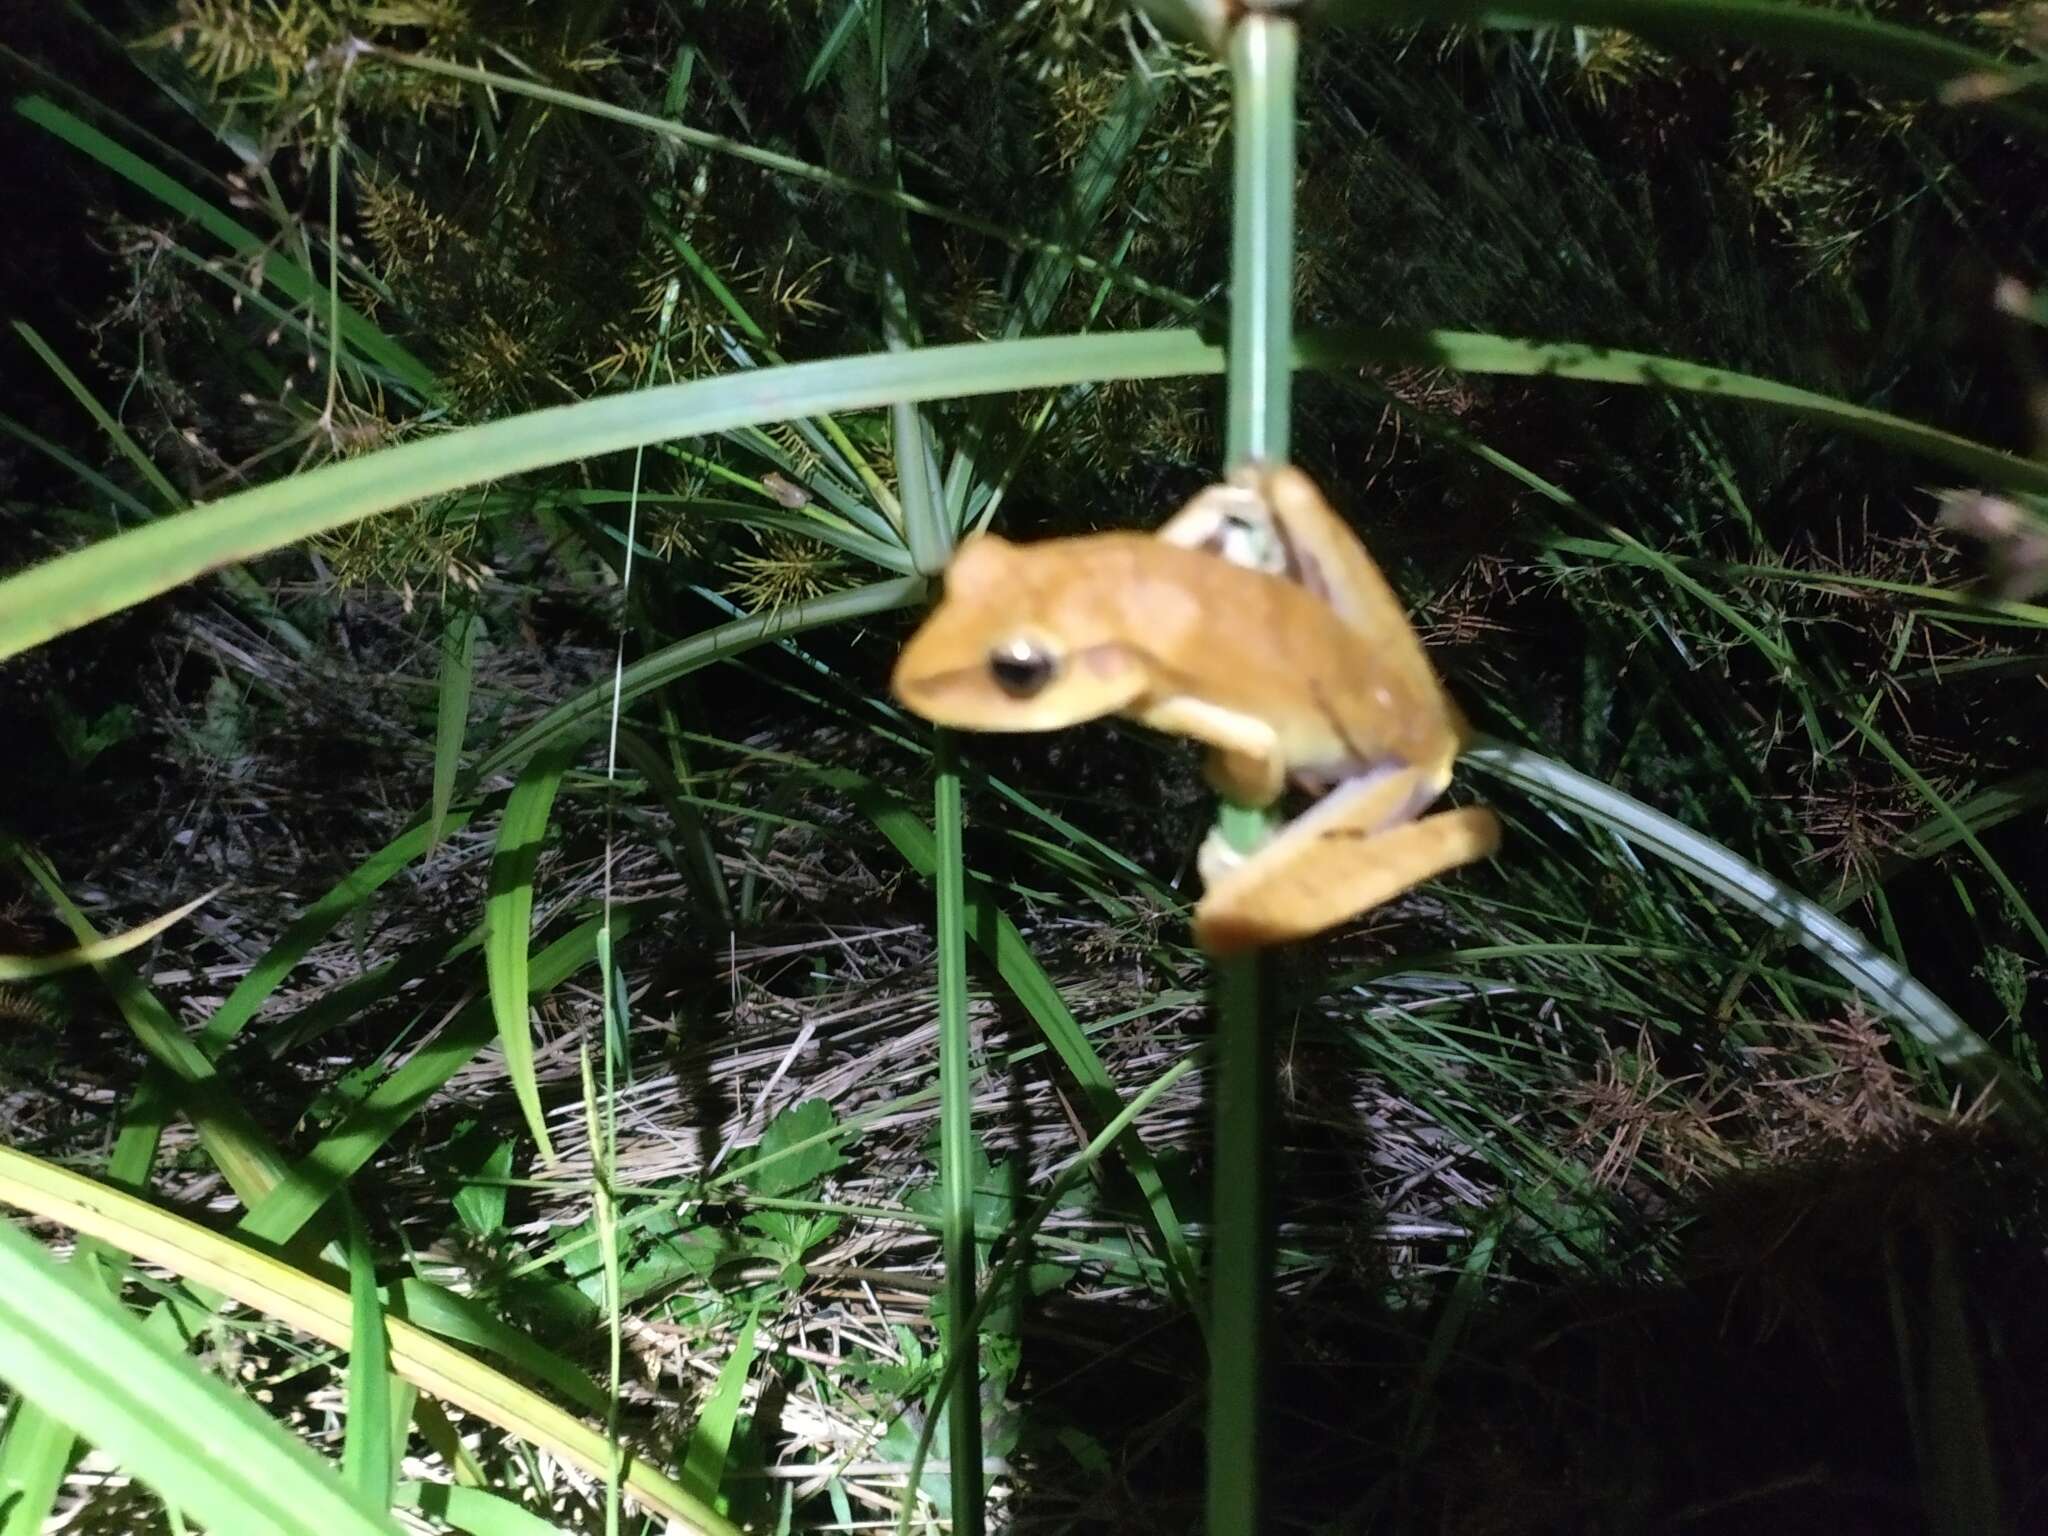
x=29, y=967
x=469, y=1321
x=1018, y=1253
x=475, y=1510
x=197, y=1442
x=238, y=581
x=74, y=589
x=91, y=478
x=697, y=857
x=366, y=1455
x=34, y=1456
x=959, y=1153
x=577, y=717
x=37, y=1448
x=116, y=434
x=256, y=1278
x=711, y=1440
x=508, y=928
x=238, y=1148
x=1486, y=353
x=451, y=713
x=834, y=44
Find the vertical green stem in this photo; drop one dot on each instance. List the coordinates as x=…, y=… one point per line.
x=1259, y=369
x=957, y=1159
x=1263, y=56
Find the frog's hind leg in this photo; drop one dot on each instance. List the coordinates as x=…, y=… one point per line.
x=1355, y=849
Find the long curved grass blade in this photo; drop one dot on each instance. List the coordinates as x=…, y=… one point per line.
x=1925, y=1019
x=711, y=1440
x=1484, y=352
x=300, y=1301
x=1848, y=38
x=75, y=589
x=1637, y=552
x=508, y=928
x=118, y=435
x=244, y=587
x=84, y=473
x=192, y=1438
x=36, y=1450
x=28, y=967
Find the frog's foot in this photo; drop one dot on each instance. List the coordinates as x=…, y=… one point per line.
x=1354, y=850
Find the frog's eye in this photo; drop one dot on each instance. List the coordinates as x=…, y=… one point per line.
x=1022, y=667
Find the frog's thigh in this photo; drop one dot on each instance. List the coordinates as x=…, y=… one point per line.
x=1324, y=870
x=1352, y=812
x=1245, y=761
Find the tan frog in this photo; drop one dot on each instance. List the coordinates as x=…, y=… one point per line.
x=1255, y=623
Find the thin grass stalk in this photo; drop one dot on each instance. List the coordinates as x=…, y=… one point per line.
x=956, y=1146
x=1259, y=374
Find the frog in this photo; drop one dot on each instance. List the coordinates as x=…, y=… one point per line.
x=1255, y=623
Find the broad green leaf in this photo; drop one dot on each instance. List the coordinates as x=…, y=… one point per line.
x=805, y=1127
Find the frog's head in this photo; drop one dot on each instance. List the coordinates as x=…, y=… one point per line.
x=1021, y=642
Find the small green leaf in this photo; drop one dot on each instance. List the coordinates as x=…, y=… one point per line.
x=799, y=1142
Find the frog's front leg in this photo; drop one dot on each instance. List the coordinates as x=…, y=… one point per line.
x=1355, y=849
